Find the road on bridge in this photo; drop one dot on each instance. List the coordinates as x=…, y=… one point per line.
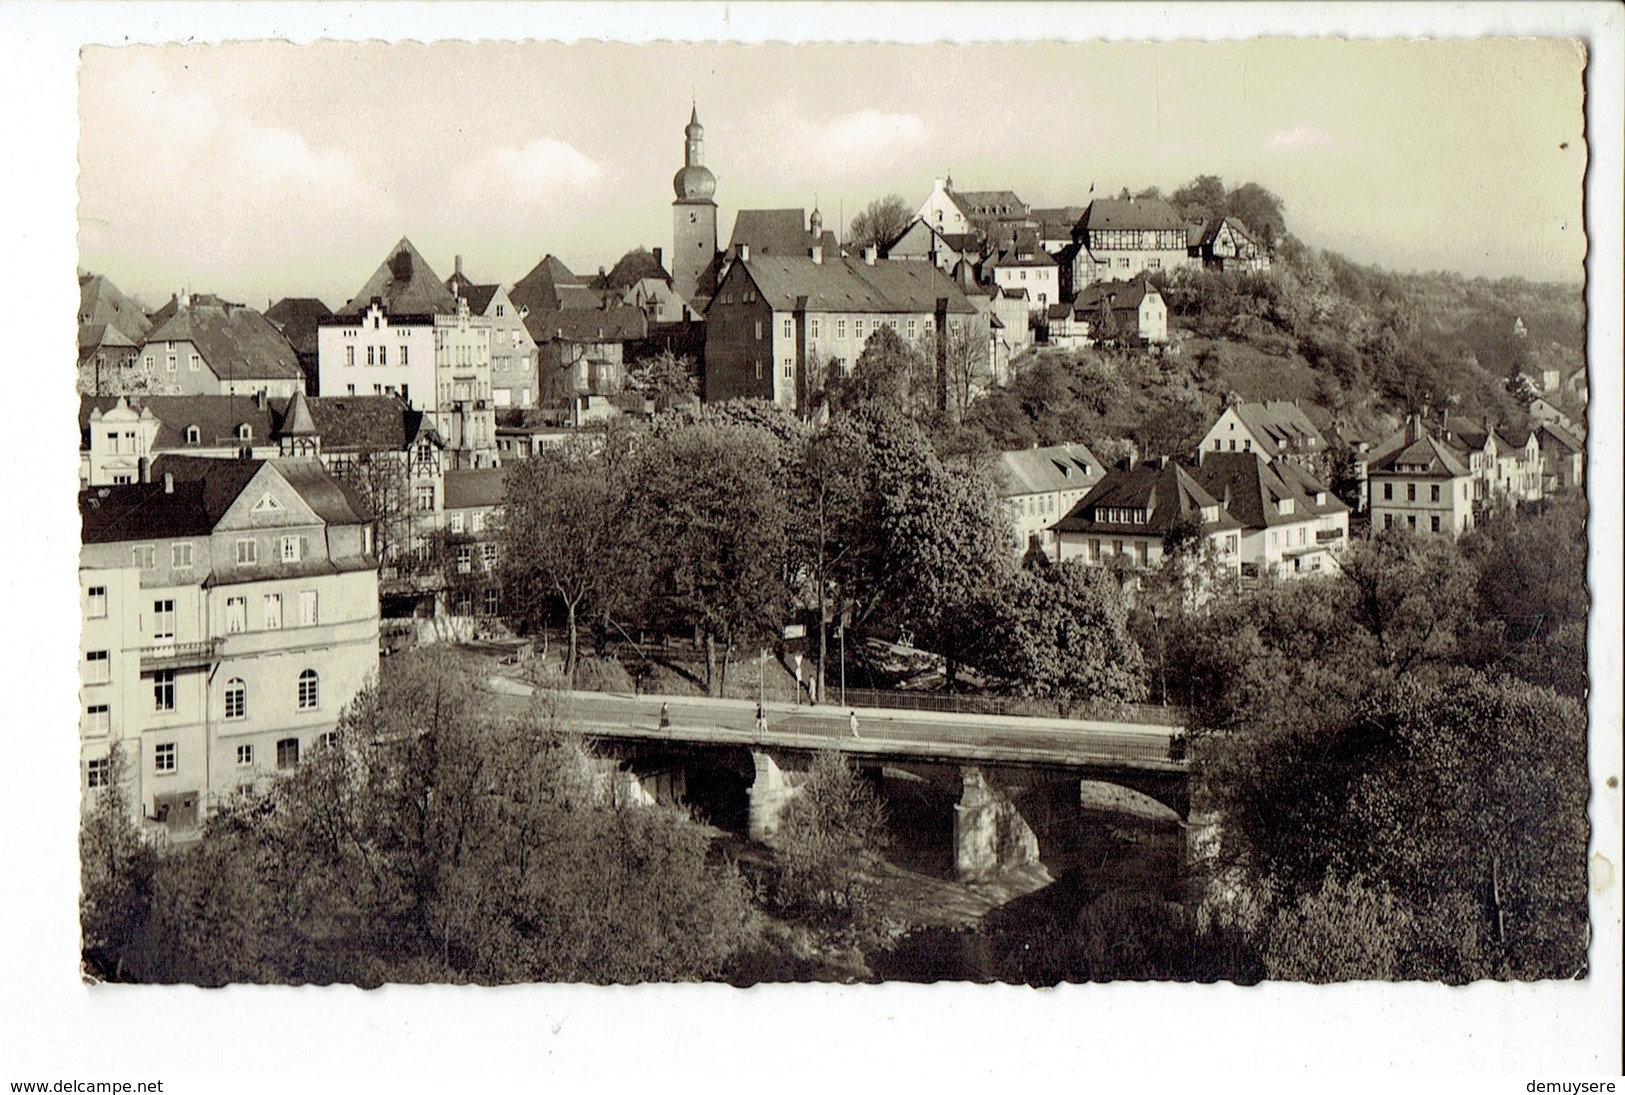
x=881, y=731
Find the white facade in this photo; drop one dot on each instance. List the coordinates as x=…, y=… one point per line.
x=373, y=355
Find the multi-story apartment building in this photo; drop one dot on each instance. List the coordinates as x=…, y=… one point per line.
x=231, y=612
x=1421, y=485
x=1291, y=524
x=513, y=351
x=405, y=334
x=1040, y=486
x=775, y=319
x=202, y=345
x=1125, y=520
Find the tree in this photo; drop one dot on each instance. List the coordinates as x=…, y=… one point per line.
x=830, y=527
x=1260, y=210
x=968, y=370
x=115, y=871
x=1412, y=595
x=1061, y=634
x=709, y=515
x=564, y=537
x=829, y=833
x=666, y=379
x=891, y=373
x=382, y=482
x=880, y=223
x=1200, y=199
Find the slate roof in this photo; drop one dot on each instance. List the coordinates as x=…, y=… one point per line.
x=778, y=232
x=1280, y=425
x=1304, y=480
x=617, y=323
x=1141, y=214
x=145, y=511
x=334, y=500
x=102, y=336
x=1057, y=223
x=998, y=203
x=539, y=289
x=371, y=423
x=1047, y=469
x=474, y=488
x=1024, y=252
x=406, y=285
x=1251, y=488
x=100, y=301
x=1166, y=489
x=297, y=318
x=1125, y=296
x=1208, y=231
x=236, y=342
x=1430, y=456
x=1562, y=437
x=852, y=285
x=173, y=307
x=478, y=296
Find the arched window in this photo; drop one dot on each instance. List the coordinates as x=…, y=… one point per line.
x=236, y=698
x=309, y=689
x=193, y=435
x=245, y=432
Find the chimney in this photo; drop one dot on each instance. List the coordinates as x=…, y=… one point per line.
x=169, y=483
x=744, y=252
x=941, y=316
x=457, y=262
x=1413, y=428
x=657, y=259
x=144, y=469
x=818, y=254
x=870, y=253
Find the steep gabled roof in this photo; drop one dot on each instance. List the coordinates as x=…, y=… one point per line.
x=989, y=203
x=1123, y=295
x=1252, y=488
x=1428, y=457
x=1163, y=488
x=297, y=318
x=236, y=342
x=1562, y=437
x=333, y=500
x=616, y=323
x=1318, y=494
x=1051, y=468
x=539, y=290
x=367, y=423
x=1141, y=214
x=851, y=285
x=1280, y=425
x=406, y=285
x=100, y=301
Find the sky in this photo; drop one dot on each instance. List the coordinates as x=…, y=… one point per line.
x=262, y=169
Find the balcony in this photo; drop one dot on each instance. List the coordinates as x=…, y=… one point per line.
x=1328, y=535
x=181, y=655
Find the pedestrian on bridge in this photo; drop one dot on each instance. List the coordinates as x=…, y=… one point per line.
x=854, y=721
x=761, y=722
x=665, y=717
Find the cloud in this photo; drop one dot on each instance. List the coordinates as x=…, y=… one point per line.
x=868, y=132
x=546, y=165
x=1302, y=137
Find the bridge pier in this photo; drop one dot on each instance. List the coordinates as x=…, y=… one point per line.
x=770, y=793
x=990, y=835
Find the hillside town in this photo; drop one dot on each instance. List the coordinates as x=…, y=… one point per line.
x=1144, y=467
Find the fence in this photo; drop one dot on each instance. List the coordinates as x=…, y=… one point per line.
x=1150, y=714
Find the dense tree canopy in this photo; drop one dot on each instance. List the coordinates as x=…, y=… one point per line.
x=880, y=222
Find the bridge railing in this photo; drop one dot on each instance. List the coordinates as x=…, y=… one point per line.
x=1147, y=713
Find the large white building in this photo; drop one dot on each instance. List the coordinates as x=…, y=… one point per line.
x=230, y=613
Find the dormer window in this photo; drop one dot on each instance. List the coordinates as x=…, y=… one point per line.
x=1210, y=514
x=245, y=432
x=193, y=435
x=1285, y=505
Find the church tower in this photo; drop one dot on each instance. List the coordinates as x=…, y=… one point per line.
x=694, y=219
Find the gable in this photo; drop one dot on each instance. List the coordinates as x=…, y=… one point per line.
x=268, y=501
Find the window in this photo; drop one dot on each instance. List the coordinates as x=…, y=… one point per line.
x=307, y=608
x=99, y=772
x=247, y=552
x=163, y=690
x=372, y=353
x=193, y=362
x=291, y=548
x=309, y=690
x=758, y=370
x=96, y=602
x=1410, y=492
x=492, y=600
x=465, y=559
x=146, y=363
x=163, y=757
x=404, y=360
x=236, y=615
x=236, y=698
x=287, y=753
x=840, y=328
x=272, y=616
x=1435, y=497
x=349, y=355
x=383, y=355
x=488, y=556
x=911, y=328
x=1435, y=522
x=455, y=522
x=143, y=556
x=180, y=556
x=758, y=330
x=789, y=328
x=814, y=328
x=163, y=620
x=1387, y=520
x=169, y=363
x=245, y=756
x=424, y=497
x=1387, y=492
x=1410, y=520
x=476, y=521
x=245, y=432
x=329, y=740
x=789, y=369
x=97, y=719
x=97, y=667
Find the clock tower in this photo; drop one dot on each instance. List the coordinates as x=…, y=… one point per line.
x=694, y=219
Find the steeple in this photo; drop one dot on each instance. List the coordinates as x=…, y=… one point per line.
x=694, y=183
